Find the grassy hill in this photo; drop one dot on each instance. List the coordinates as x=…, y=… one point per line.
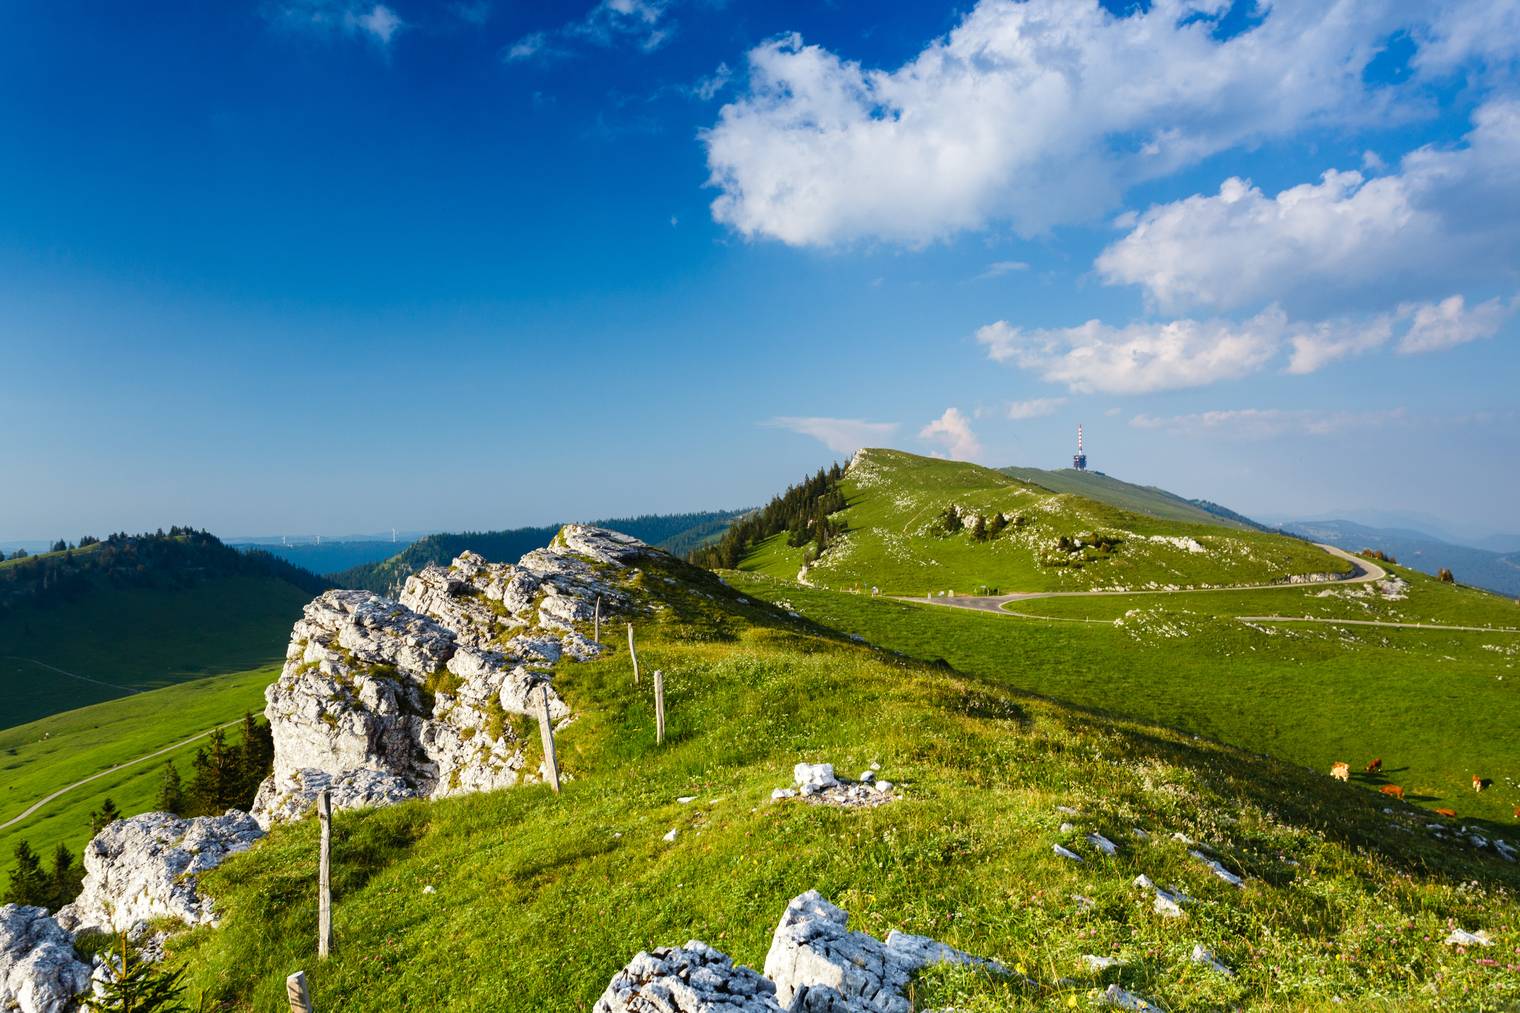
x=41, y=757
x=138, y=612
x=524, y=900
x=677, y=533
x=1140, y=499
x=909, y=527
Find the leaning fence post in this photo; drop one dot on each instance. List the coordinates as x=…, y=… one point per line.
x=296, y=993
x=659, y=707
x=546, y=731
x=324, y=877
x=633, y=654
x=596, y=629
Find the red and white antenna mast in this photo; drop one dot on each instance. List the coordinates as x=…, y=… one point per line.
x=1079, y=459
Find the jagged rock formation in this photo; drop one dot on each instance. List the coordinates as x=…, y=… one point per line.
x=693, y=979
x=145, y=867
x=394, y=700
x=281, y=800
x=815, y=965
x=39, y=971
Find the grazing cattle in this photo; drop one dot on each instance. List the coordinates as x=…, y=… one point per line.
x=1517, y=812
x=1340, y=771
x=1450, y=814
x=1375, y=766
x=1392, y=789
x=1479, y=783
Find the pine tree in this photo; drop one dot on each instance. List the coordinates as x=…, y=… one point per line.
x=171, y=791
x=104, y=816
x=67, y=879
x=137, y=986
x=979, y=528
x=996, y=525
x=29, y=884
x=201, y=799
x=256, y=758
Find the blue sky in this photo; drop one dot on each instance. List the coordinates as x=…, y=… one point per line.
x=332, y=266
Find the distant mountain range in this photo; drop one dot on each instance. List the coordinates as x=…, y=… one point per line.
x=1485, y=568
x=331, y=556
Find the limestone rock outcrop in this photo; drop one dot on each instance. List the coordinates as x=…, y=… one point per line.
x=39, y=971
x=815, y=965
x=392, y=700
x=146, y=867
x=692, y=979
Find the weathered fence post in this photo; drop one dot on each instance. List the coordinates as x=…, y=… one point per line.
x=596, y=629
x=324, y=877
x=296, y=993
x=659, y=707
x=546, y=731
x=633, y=654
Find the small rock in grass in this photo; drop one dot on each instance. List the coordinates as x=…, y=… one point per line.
x=875, y=766
x=1103, y=844
x=867, y=776
x=429, y=889
x=1506, y=851
x=1141, y=834
x=1203, y=956
x=1217, y=869
x=1084, y=903
x=781, y=793
x=812, y=778
x=1068, y=810
x=1065, y=853
x=1460, y=937
x=1123, y=999
x=687, y=799
x=1067, y=828
x=1095, y=963
x=882, y=786
x=671, y=836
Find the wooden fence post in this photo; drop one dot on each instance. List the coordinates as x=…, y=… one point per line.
x=546, y=731
x=633, y=654
x=596, y=634
x=296, y=993
x=659, y=707
x=324, y=877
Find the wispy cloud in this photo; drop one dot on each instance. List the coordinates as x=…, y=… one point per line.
x=377, y=22
x=474, y=12
x=1263, y=423
x=1034, y=408
x=952, y=430
x=998, y=268
x=842, y=436
x=643, y=24
x=1434, y=326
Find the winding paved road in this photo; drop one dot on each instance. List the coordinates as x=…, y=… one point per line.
x=1366, y=572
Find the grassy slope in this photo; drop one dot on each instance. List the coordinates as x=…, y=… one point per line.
x=1437, y=706
x=37, y=759
x=537, y=900
x=1140, y=499
x=894, y=499
x=136, y=638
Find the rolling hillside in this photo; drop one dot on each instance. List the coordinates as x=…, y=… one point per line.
x=138, y=612
x=1140, y=499
x=916, y=525
x=677, y=533
x=534, y=900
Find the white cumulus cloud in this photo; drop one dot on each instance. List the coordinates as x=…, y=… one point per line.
x=952, y=431
x=1434, y=326
x=1448, y=217
x=1043, y=112
x=842, y=436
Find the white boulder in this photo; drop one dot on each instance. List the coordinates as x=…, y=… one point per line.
x=39, y=971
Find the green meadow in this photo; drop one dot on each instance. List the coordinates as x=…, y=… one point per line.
x=38, y=758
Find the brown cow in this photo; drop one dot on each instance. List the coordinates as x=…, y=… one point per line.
x=1479, y=783
x=1450, y=814
x=1340, y=771
x=1392, y=789
x=1375, y=766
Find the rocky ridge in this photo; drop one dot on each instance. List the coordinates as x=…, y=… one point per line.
x=381, y=701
